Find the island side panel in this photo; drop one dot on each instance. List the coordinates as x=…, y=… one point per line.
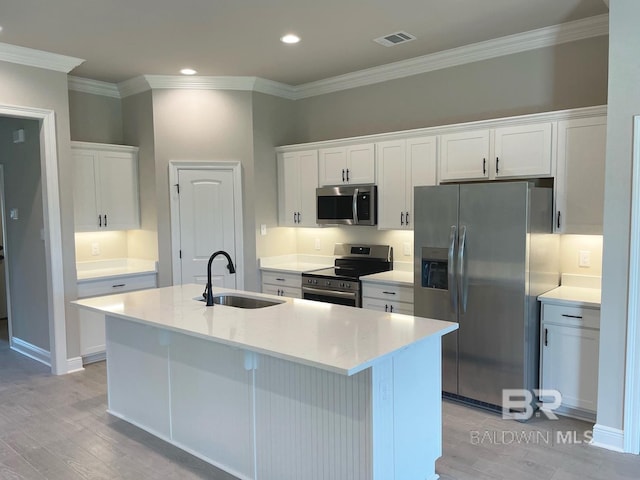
x=137, y=375
x=212, y=403
x=311, y=424
x=407, y=413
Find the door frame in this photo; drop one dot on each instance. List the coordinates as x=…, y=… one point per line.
x=236, y=168
x=3, y=222
x=631, y=426
x=52, y=232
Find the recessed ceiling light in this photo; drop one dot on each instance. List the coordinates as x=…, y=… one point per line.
x=188, y=71
x=290, y=38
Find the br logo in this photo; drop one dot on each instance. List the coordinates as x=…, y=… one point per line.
x=521, y=404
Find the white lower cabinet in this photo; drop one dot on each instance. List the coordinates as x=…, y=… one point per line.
x=282, y=284
x=569, y=345
x=92, y=334
x=387, y=297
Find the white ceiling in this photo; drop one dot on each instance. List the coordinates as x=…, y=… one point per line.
x=122, y=39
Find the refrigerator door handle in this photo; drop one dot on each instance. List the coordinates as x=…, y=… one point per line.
x=453, y=290
x=462, y=274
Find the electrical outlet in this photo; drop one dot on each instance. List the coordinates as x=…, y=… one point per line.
x=584, y=258
x=406, y=249
x=263, y=229
x=317, y=244
x=95, y=249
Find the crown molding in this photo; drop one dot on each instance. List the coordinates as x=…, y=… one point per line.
x=94, y=87
x=544, y=37
x=133, y=86
x=521, y=42
x=38, y=58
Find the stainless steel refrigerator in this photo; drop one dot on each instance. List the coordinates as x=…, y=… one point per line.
x=483, y=253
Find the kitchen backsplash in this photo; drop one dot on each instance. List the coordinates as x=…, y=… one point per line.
x=580, y=254
x=91, y=246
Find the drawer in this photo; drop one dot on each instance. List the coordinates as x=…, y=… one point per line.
x=283, y=279
x=282, y=291
x=571, y=316
x=108, y=286
x=387, y=306
x=397, y=293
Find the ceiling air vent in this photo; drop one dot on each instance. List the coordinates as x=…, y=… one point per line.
x=394, y=39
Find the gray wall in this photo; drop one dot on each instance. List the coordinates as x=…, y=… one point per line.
x=24, y=248
x=95, y=118
x=138, y=131
x=273, y=124
x=203, y=125
x=46, y=89
x=555, y=78
x=624, y=103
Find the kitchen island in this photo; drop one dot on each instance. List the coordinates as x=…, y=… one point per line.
x=297, y=390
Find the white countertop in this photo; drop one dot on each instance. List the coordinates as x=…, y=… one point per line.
x=340, y=339
x=399, y=277
x=572, y=296
x=120, y=267
x=575, y=291
x=295, y=263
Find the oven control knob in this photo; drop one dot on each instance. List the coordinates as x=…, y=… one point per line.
x=328, y=283
x=315, y=282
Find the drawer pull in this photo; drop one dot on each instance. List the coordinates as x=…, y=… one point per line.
x=572, y=316
x=546, y=337
x=118, y=285
x=389, y=293
x=280, y=279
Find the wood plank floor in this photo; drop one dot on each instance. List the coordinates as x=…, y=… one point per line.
x=57, y=428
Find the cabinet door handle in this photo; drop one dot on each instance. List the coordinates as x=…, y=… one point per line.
x=386, y=307
x=118, y=285
x=497, y=167
x=401, y=218
x=558, y=221
x=105, y=219
x=347, y=174
x=391, y=308
x=389, y=293
x=484, y=166
x=406, y=218
x=99, y=220
x=546, y=337
x=571, y=316
x=343, y=174
x=298, y=217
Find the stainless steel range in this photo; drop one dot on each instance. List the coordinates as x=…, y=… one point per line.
x=341, y=283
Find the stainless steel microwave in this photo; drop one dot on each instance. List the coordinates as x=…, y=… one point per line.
x=346, y=205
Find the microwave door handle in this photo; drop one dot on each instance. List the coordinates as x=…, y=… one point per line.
x=451, y=272
x=355, y=206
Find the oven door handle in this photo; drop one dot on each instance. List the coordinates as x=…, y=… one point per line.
x=329, y=293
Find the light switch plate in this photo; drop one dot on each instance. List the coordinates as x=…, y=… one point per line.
x=317, y=244
x=95, y=249
x=263, y=229
x=584, y=258
x=406, y=249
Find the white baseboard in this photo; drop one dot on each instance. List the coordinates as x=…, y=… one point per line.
x=29, y=350
x=74, y=365
x=609, y=438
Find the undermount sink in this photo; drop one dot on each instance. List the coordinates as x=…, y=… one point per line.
x=239, y=301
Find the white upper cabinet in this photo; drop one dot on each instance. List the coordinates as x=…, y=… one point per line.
x=105, y=187
x=402, y=165
x=580, y=177
x=354, y=164
x=464, y=156
x=523, y=151
x=297, y=183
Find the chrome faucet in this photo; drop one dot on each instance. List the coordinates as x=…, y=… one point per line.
x=208, y=294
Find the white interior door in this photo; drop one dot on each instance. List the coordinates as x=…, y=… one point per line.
x=207, y=224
